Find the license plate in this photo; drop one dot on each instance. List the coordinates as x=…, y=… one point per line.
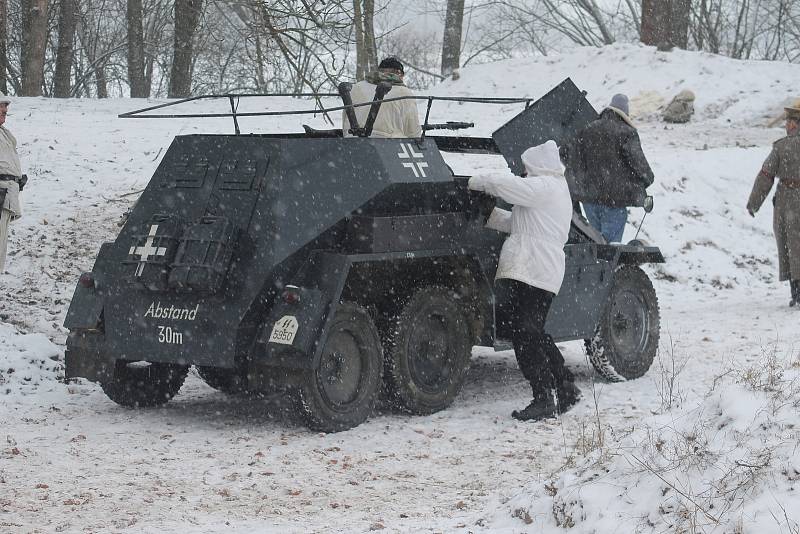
x=284, y=330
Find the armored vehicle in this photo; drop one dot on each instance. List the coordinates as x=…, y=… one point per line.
x=338, y=269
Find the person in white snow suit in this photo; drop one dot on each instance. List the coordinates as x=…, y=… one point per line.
x=395, y=119
x=11, y=180
x=531, y=269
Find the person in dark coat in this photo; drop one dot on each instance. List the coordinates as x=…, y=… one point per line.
x=616, y=171
x=783, y=162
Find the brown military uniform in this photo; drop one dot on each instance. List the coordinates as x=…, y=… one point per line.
x=784, y=163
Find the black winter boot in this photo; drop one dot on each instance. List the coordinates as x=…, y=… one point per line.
x=567, y=395
x=543, y=406
x=795, y=286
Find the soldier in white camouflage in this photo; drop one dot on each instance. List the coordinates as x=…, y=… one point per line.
x=783, y=163
x=11, y=179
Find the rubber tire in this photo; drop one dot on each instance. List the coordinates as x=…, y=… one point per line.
x=351, y=325
x=228, y=381
x=405, y=387
x=142, y=387
x=613, y=361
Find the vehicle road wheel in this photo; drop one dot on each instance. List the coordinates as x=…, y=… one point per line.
x=428, y=350
x=142, y=384
x=341, y=392
x=226, y=380
x=626, y=340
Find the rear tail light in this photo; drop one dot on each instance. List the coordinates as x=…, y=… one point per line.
x=86, y=280
x=291, y=294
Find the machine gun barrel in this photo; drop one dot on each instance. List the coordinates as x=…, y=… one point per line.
x=449, y=125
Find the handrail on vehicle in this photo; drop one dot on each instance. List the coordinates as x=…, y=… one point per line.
x=234, y=99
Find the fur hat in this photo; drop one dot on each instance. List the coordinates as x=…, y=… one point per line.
x=620, y=102
x=793, y=112
x=4, y=99
x=391, y=63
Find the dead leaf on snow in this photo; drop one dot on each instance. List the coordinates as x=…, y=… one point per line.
x=522, y=514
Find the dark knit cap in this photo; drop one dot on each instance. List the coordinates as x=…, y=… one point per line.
x=391, y=63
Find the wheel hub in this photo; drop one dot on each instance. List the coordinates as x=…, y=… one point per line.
x=629, y=325
x=430, y=364
x=340, y=368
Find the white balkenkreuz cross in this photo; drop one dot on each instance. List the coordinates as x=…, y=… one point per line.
x=147, y=250
x=407, y=152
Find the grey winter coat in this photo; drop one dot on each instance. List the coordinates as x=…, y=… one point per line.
x=784, y=163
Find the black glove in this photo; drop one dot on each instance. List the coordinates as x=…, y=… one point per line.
x=482, y=204
x=22, y=181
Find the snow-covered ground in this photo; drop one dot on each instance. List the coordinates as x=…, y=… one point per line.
x=705, y=442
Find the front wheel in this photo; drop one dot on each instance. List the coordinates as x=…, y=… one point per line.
x=143, y=384
x=626, y=339
x=341, y=392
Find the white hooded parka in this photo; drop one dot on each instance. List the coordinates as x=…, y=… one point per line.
x=539, y=222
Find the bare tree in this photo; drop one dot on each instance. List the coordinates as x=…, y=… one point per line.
x=581, y=20
x=364, y=27
x=67, y=19
x=34, y=40
x=140, y=86
x=187, y=15
x=451, y=37
x=293, y=45
x=3, y=46
x=665, y=23
x=760, y=29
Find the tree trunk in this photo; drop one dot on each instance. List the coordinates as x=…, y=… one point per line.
x=187, y=14
x=451, y=38
x=34, y=41
x=261, y=82
x=3, y=47
x=136, y=73
x=366, y=51
x=665, y=23
x=101, y=81
x=369, y=35
x=358, y=27
x=66, y=49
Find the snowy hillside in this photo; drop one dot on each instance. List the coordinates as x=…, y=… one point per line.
x=705, y=442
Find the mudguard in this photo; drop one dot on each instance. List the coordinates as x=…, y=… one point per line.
x=293, y=332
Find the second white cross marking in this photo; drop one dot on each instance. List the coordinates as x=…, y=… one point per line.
x=147, y=250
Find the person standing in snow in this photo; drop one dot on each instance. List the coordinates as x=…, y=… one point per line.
x=783, y=162
x=11, y=179
x=395, y=119
x=531, y=269
x=611, y=159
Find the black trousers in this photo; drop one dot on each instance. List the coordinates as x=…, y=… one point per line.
x=539, y=359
